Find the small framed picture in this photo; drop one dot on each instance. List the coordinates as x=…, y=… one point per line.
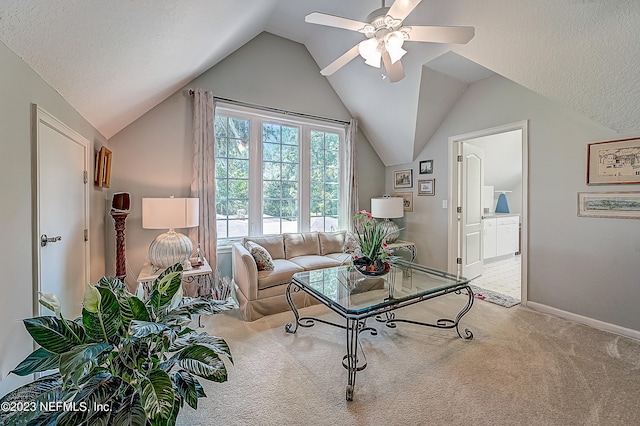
x=427, y=187
x=426, y=167
x=403, y=179
x=613, y=162
x=407, y=200
x=103, y=168
x=619, y=205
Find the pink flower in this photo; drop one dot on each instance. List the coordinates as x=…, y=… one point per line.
x=384, y=245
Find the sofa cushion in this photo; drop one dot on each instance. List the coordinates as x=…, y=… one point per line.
x=272, y=243
x=281, y=274
x=301, y=244
x=350, y=243
x=310, y=262
x=343, y=258
x=261, y=255
x=331, y=242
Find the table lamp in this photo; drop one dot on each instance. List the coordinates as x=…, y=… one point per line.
x=388, y=208
x=170, y=213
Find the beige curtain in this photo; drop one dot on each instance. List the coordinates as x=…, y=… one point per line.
x=349, y=176
x=203, y=185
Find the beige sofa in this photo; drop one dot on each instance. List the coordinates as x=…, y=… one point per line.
x=262, y=292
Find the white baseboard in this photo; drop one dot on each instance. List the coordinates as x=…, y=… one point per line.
x=601, y=325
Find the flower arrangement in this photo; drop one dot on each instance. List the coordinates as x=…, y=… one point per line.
x=373, y=250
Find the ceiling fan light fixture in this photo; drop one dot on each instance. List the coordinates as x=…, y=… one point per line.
x=370, y=50
x=393, y=43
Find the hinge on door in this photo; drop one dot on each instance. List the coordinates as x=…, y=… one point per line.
x=86, y=176
x=459, y=261
x=86, y=235
x=459, y=158
x=459, y=209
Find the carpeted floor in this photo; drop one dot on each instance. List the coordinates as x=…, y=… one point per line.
x=521, y=368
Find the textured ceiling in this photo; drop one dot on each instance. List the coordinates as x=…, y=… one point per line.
x=115, y=60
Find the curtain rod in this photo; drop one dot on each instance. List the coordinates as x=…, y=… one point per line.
x=276, y=110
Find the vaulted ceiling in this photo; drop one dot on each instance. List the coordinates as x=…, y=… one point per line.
x=113, y=61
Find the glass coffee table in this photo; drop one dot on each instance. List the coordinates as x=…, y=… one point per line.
x=356, y=298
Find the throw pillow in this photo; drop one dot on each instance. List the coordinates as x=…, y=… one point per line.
x=350, y=243
x=261, y=255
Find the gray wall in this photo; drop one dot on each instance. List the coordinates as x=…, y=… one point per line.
x=586, y=266
x=153, y=155
x=20, y=86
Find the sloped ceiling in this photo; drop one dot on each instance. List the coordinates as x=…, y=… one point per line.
x=113, y=61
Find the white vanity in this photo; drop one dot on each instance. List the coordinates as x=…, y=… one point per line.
x=501, y=234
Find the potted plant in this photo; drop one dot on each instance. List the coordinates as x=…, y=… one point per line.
x=128, y=360
x=370, y=257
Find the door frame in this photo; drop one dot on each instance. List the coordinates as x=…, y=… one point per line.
x=453, y=228
x=39, y=115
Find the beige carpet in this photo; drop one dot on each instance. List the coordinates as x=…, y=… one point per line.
x=521, y=368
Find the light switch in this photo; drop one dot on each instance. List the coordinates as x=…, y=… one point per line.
x=444, y=204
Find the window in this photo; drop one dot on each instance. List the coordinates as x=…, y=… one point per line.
x=275, y=175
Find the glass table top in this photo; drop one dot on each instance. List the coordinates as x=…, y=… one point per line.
x=353, y=293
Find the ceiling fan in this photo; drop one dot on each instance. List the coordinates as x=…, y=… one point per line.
x=385, y=36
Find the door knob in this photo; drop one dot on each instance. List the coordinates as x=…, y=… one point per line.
x=44, y=240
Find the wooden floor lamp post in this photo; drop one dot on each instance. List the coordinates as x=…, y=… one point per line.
x=119, y=213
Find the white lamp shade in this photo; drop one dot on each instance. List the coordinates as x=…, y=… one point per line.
x=170, y=213
x=387, y=207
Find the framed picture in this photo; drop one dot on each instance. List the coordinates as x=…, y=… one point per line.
x=403, y=179
x=408, y=200
x=613, y=162
x=427, y=187
x=621, y=205
x=426, y=167
x=103, y=168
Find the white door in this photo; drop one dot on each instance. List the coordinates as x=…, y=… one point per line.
x=62, y=213
x=471, y=230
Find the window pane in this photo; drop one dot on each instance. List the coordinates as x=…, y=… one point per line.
x=290, y=190
x=271, y=171
x=238, y=228
x=238, y=128
x=221, y=147
x=272, y=189
x=239, y=169
x=271, y=133
x=221, y=167
x=271, y=152
x=238, y=148
x=220, y=126
x=317, y=174
x=290, y=135
x=331, y=141
x=290, y=154
x=317, y=141
x=331, y=174
x=238, y=189
x=289, y=171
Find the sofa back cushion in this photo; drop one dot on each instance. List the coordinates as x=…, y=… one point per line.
x=301, y=244
x=331, y=242
x=272, y=243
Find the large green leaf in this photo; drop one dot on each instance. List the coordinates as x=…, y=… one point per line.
x=217, y=344
x=80, y=360
x=105, y=323
x=39, y=360
x=131, y=413
x=44, y=390
x=52, y=334
x=186, y=385
x=157, y=395
x=145, y=328
x=112, y=283
x=132, y=308
x=166, y=285
x=101, y=390
x=204, y=362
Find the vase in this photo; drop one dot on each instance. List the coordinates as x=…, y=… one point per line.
x=371, y=268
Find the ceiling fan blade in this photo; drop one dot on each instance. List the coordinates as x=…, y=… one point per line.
x=433, y=34
x=334, y=21
x=395, y=72
x=341, y=61
x=402, y=8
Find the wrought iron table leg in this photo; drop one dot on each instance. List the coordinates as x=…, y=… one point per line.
x=351, y=357
x=288, y=326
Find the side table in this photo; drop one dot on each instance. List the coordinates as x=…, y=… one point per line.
x=405, y=245
x=202, y=275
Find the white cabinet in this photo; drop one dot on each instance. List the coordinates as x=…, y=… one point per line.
x=489, y=242
x=501, y=235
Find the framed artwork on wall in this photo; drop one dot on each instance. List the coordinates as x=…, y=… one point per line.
x=403, y=179
x=427, y=187
x=103, y=168
x=619, y=205
x=407, y=200
x=613, y=162
x=426, y=167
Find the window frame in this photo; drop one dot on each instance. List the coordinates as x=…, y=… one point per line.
x=256, y=120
